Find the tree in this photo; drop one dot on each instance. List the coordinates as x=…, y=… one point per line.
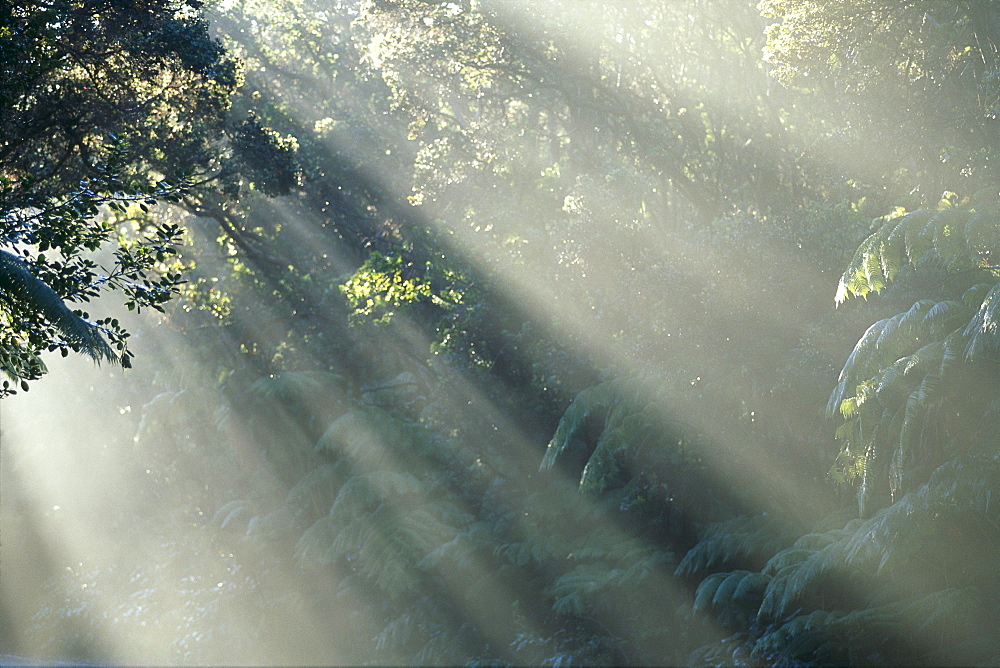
x=34, y=287
x=915, y=80
x=105, y=110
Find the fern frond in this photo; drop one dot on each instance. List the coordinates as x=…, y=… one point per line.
x=371, y=438
x=973, y=297
x=522, y=553
x=743, y=540
x=461, y=554
x=317, y=489
x=291, y=386
x=705, y=593
x=945, y=317
x=384, y=546
x=573, y=589
x=813, y=542
x=856, y=367
x=631, y=433
x=914, y=412
x=365, y=491
x=788, y=557
x=602, y=469
x=864, y=274
x=230, y=513
x=982, y=328
x=806, y=576
x=17, y=281
x=276, y=527
x=886, y=387
x=955, y=239
x=739, y=595
x=395, y=540
x=424, y=625
x=590, y=401
x=401, y=632
x=917, y=532
x=948, y=237
x=778, y=641
x=982, y=233
x=312, y=546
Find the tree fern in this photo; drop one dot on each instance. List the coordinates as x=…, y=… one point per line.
x=955, y=239
x=906, y=372
x=915, y=583
x=633, y=434
x=931, y=541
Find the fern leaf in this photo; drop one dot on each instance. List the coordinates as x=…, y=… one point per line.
x=864, y=274
x=903, y=334
x=570, y=604
x=20, y=284
x=295, y=385
x=856, y=366
x=945, y=317
x=372, y=438
x=982, y=329
x=397, y=540
x=948, y=237
x=727, y=587
x=919, y=237
x=312, y=546
x=365, y=491
x=602, y=469
x=982, y=234
x=751, y=588
x=229, y=512
x=912, y=425
x=787, y=557
x=812, y=542
x=705, y=593
x=621, y=425
x=778, y=642
x=275, y=527
x=597, y=398
x=575, y=589
x=317, y=489
x=974, y=296
x=744, y=540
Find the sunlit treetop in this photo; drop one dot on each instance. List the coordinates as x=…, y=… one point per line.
x=105, y=109
x=861, y=43
x=76, y=70
x=914, y=83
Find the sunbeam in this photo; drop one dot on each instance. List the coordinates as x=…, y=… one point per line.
x=486, y=332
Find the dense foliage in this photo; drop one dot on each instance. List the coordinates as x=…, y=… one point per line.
x=511, y=334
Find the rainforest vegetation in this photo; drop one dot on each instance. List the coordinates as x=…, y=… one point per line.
x=494, y=332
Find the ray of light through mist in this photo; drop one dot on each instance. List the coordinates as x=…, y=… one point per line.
x=136, y=502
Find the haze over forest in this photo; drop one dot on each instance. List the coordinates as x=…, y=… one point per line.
x=488, y=332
